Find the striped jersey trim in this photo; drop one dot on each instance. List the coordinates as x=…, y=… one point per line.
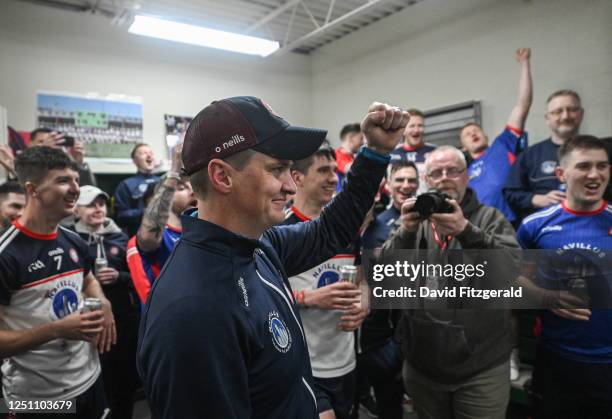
x=8, y=237
x=545, y=213
x=52, y=278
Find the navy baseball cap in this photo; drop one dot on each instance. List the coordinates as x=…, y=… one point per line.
x=228, y=126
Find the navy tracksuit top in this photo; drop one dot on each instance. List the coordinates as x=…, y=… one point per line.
x=221, y=336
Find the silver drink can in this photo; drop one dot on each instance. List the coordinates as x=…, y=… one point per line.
x=100, y=264
x=348, y=273
x=91, y=304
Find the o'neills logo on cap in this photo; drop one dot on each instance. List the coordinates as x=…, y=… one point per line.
x=235, y=140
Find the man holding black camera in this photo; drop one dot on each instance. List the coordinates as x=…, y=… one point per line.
x=456, y=360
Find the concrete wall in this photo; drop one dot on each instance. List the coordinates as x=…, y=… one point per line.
x=438, y=53
x=46, y=49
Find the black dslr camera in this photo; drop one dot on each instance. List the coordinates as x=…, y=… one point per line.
x=431, y=202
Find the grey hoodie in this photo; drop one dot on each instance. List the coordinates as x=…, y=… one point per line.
x=448, y=346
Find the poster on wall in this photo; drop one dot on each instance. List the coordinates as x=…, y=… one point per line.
x=109, y=126
x=176, y=126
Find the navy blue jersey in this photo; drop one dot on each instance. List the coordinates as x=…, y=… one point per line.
x=159, y=256
x=413, y=154
x=488, y=172
x=129, y=203
x=533, y=173
x=558, y=227
x=379, y=229
x=41, y=281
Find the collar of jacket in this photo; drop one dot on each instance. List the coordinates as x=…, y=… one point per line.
x=470, y=203
x=109, y=227
x=204, y=232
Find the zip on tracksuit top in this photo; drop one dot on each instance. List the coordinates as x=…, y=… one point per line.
x=221, y=336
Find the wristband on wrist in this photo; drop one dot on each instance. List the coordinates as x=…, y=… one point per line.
x=374, y=155
x=299, y=297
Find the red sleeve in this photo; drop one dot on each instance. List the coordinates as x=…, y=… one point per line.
x=515, y=131
x=139, y=276
x=342, y=160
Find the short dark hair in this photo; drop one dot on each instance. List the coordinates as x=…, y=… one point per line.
x=325, y=150
x=564, y=92
x=582, y=142
x=37, y=131
x=402, y=164
x=416, y=112
x=136, y=147
x=199, y=180
x=353, y=128
x=33, y=164
x=10, y=186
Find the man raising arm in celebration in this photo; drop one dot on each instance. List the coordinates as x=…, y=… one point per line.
x=221, y=334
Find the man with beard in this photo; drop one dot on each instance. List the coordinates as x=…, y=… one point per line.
x=414, y=148
x=129, y=202
x=12, y=202
x=532, y=183
x=489, y=166
x=573, y=367
x=161, y=225
x=457, y=361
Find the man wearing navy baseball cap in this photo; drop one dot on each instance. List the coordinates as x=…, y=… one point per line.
x=221, y=336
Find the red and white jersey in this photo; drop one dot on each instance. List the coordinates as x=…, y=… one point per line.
x=331, y=350
x=41, y=281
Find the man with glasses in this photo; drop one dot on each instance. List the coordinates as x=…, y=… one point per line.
x=457, y=361
x=532, y=183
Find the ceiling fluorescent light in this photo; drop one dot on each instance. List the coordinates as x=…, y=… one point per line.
x=198, y=35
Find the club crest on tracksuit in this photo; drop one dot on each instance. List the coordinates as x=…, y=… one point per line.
x=281, y=338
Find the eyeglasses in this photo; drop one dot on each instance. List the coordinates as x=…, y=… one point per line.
x=452, y=173
x=569, y=109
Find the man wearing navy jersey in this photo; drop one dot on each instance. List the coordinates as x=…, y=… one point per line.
x=380, y=351
x=50, y=347
x=531, y=183
x=329, y=307
x=489, y=166
x=414, y=148
x=573, y=370
x=129, y=201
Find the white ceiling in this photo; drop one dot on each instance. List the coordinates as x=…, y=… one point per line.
x=300, y=26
